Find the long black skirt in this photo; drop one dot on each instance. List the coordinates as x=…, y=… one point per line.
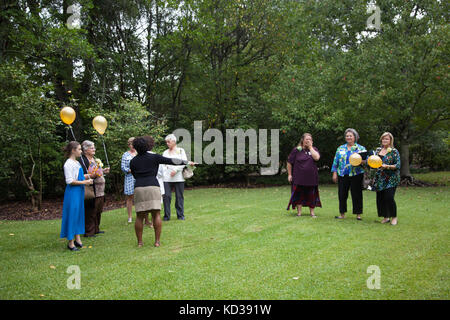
x=306, y=196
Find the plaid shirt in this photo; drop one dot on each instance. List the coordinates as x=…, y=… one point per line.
x=340, y=162
x=128, y=185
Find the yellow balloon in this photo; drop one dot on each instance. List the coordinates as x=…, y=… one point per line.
x=67, y=115
x=374, y=161
x=100, y=124
x=355, y=159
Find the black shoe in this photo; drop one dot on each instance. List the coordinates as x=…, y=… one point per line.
x=100, y=232
x=91, y=236
x=338, y=217
x=73, y=248
x=182, y=218
x=166, y=219
x=360, y=219
x=79, y=245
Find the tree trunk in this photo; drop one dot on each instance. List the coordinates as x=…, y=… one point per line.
x=404, y=156
x=39, y=204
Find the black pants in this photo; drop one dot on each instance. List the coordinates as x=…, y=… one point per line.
x=179, y=199
x=353, y=183
x=93, y=209
x=386, y=205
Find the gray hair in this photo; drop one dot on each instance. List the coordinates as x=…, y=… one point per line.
x=354, y=132
x=86, y=145
x=171, y=137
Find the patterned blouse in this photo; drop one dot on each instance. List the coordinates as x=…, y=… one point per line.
x=387, y=178
x=341, y=163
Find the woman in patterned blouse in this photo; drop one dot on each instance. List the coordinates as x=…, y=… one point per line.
x=387, y=178
x=348, y=176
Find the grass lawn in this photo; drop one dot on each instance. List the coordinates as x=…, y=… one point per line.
x=241, y=244
x=441, y=178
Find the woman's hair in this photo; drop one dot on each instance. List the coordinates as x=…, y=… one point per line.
x=69, y=147
x=140, y=145
x=150, y=142
x=130, y=141
x=300, y=144
x=390, y=136
x=171, y=137
x=354, y=132
x=86, y=144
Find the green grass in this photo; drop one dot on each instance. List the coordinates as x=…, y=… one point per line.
x=241, y=244
x=441, y=178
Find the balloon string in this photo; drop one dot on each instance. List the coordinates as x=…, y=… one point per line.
x=104, y=148
x=75, y=139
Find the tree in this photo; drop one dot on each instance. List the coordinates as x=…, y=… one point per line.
x=28, y=122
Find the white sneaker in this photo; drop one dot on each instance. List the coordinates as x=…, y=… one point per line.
x=130, y=220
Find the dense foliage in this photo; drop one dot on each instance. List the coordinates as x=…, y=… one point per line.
x=152, y=66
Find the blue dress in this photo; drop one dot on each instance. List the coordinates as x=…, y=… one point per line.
x=73, y=210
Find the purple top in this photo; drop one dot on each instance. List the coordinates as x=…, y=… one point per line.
x=304, y=169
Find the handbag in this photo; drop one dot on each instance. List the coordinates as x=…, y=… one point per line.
x=89, y=192
x=187, y=172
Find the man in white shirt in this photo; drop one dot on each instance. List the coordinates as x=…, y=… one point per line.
x=173, y=178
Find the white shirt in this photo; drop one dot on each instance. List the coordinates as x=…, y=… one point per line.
x=71, y=170
x=159, y=176
x=178, y=153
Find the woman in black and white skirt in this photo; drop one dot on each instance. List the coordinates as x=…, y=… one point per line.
x=147, y=193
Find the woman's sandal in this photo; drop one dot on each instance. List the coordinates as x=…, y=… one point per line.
x=385, y=221
x=157, y=244
x=140, y=245
x=339, y=217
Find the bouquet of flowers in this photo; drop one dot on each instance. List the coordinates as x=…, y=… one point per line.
x=96, y=168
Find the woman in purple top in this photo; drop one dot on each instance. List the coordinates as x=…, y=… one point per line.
x=303, y=176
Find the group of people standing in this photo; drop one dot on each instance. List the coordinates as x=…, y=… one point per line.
x=149, y=178
x=303, y=175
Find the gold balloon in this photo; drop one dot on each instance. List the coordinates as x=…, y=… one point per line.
x=374, y=161
x=67, y=115
x=100, y=124
x=355, y=159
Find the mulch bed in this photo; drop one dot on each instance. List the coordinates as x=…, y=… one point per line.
x=51, y=209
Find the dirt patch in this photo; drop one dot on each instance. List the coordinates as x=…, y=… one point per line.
x=51, y=209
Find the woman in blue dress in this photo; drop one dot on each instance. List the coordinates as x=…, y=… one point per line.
x=72, y=225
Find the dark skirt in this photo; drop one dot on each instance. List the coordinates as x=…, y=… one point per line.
x=307, y=196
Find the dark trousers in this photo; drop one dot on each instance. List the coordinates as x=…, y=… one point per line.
x=354, y=184
x=179, y=198
x=386, y=205
x=93, y=209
